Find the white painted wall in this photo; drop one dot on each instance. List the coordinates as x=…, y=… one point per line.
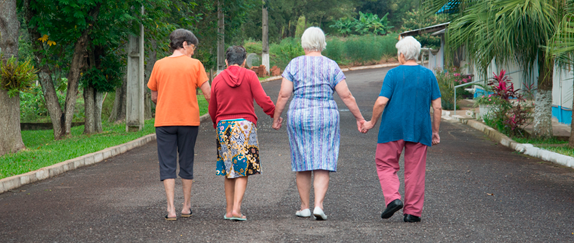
x=562, y=86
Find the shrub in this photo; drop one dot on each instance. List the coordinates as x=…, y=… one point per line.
x=282, y=53
x=16, y=77
x=252, y=46
x=367, y=23
x=511, y=111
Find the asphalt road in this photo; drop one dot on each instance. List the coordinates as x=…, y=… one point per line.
x=476, y=191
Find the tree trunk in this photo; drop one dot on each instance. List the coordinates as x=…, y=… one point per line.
x=98, y=103
x=45, y=77
x=220, y=37
x=89, y=122
x=543, y=102
x=265, y=38
x=78, y=62
x=10, y=133
x=152, y=58
x=119, y=110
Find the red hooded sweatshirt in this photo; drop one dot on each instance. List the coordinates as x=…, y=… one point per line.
x=232, y=95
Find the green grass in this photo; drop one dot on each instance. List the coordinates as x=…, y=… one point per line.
x=565, y=150
x=539, y=141
x=42, y=150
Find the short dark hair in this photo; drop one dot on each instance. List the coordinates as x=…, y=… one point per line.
x=235, y=55
x=177, y=37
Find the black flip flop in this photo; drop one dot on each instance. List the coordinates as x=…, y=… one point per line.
x=187, y=215
x=170, y=218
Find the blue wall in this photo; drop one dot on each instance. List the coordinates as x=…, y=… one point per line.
x=480, y=92
x=564, y=115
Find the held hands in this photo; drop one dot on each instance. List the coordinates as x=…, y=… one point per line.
x=277, y=123
x=360, y=123
x=367, y=125
x=435, y=138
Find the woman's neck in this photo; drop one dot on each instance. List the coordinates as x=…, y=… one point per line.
x=177, y=53
x=312, y=53
x=410, y=63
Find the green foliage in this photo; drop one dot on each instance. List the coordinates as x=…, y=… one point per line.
x=446, y=81
x=282, y=53
x=106, y=77
x=366, y=49
x=33, y=106
x=416, y=19
x=367, y=23
x=16, y=77
x=504, y=31
x=395, y=8
x=300, y=27
x=252, y=46
x=345, y=26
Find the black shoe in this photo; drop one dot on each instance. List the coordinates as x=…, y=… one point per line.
x=394, y=206
x=411, y=218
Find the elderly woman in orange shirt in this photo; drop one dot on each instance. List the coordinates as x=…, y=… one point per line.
x=173, y=82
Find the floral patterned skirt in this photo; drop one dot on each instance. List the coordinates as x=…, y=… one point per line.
x=237, y=149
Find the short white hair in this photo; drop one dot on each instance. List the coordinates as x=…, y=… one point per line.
x=409, y=47
x=313, y=39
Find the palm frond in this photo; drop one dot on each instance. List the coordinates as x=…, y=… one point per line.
x=561, y=45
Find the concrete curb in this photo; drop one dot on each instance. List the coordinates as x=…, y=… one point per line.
x=344, y=70
x=16, y=181
x=524, y=148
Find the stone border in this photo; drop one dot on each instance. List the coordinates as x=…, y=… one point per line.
x=524, y=148
x=16, y=181
x=344, y=70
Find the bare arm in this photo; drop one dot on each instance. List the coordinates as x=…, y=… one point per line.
x=347, y=97
x=284, y=94
x=206, y=90
x=437, y=112
x=154, y=97
x=378, y=109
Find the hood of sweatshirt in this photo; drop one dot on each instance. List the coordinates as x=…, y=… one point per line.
x=233, y=75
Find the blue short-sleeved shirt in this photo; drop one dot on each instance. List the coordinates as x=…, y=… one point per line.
x=410, y=90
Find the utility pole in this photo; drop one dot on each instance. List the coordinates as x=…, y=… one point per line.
x=265, y=37
x=135, y=82
x=220, y=37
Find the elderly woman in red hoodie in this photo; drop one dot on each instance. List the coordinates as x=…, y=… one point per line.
x=233, y=115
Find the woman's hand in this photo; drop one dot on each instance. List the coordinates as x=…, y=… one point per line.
x=367, y=126
x=277, y=123
x=435, y=138
x=360, y=123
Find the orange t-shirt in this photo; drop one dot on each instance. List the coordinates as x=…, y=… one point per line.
x=176, y=80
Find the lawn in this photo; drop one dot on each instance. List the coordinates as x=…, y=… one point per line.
x=42, y=150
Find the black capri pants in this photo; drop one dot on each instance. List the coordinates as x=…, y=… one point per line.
x=169, y=139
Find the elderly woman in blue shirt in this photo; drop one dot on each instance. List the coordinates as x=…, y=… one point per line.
x=408, y=92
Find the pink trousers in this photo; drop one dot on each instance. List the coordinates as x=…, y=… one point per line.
x=387, y=159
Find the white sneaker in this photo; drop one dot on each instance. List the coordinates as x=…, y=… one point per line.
x=318, y=214
x=305, y=213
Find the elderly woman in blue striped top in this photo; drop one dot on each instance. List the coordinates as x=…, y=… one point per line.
x=313, y=118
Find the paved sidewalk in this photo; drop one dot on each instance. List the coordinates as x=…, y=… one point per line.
x=477, y=191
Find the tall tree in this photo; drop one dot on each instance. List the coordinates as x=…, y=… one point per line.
x=69, y=25
x=10, y=133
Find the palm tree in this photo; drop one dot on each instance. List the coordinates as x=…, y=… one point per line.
x=510, y=30
x=561, y=48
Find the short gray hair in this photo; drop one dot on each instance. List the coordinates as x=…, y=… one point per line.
x=235, y=55
x=313, y=39
x=409, y=47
